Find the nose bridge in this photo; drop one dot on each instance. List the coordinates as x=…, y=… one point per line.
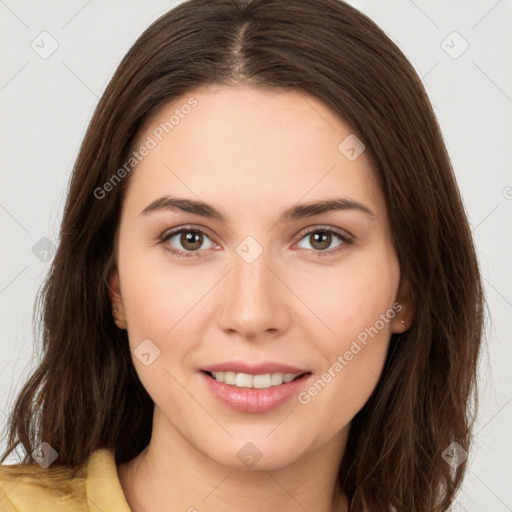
x=251, y=263
x=252, y=278
x=255, y=301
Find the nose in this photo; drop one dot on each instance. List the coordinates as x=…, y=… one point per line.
x=255, y=301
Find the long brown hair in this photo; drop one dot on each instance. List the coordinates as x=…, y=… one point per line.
x=85, y=393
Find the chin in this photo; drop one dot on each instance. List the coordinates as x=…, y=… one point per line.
x=259, y=454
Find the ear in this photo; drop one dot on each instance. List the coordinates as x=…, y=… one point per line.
x=405, y=308
x=114, y=293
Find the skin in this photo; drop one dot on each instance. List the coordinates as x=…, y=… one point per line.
x=252, y=153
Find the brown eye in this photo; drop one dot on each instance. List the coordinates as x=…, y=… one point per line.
x=191, y=240
x=321, y=240
x=186, y=241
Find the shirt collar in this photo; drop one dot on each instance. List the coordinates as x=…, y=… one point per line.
x=102, y=485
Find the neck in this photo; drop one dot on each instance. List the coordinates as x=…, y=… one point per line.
x=172, y=472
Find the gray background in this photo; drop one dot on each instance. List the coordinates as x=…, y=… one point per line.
x=46, y=104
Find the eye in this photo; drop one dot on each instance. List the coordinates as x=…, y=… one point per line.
x=191, y=240
x=321, y=239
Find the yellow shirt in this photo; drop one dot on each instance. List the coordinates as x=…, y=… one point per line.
x=96, y=487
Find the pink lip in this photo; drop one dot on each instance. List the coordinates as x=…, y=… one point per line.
x=253, y=369
x=254, y=400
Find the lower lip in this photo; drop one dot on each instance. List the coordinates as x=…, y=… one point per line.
x=254, y=400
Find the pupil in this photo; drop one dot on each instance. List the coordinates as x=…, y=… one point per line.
x=323, y=240
x=191, y=238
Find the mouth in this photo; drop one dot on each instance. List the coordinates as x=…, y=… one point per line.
x=260, y=381
x=258, y=393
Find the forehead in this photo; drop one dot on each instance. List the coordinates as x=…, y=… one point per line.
x=257, y=147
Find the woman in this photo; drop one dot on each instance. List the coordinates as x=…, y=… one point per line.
x=266, y=294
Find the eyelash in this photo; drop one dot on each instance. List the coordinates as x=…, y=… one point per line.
x=345, y=239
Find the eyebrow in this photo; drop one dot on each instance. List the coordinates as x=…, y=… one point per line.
x=296, y=212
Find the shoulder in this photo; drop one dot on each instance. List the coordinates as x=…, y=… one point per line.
x=29, y=487
x=25, y=487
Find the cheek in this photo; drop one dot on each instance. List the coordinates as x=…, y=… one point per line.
x=159, y=306
x=352, y=297
x=158, y=303
x=358, y=307
x=164, y=303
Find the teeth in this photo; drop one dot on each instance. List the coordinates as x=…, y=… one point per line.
x=244, y=380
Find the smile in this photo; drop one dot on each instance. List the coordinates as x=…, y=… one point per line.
x=245, y=380
x=254, y=393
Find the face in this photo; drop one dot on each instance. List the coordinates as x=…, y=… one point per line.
x=256, y=283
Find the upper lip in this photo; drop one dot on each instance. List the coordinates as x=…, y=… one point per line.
x=254, y=369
